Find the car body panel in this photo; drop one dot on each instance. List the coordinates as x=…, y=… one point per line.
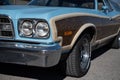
x=66, y=25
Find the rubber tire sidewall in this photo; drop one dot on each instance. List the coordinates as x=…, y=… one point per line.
x=73, y=61
x=116, y=42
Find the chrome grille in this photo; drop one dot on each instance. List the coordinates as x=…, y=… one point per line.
x=6, y=28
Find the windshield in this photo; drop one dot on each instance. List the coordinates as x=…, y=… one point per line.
x=19, y=2
x=15, y=2
x=116, y=4
x=57, y=3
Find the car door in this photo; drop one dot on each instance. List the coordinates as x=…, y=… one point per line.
x=110, y=25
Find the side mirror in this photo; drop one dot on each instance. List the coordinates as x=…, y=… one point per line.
x=105, y=9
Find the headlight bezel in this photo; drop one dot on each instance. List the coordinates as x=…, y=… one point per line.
x=22, y=31
x=34, y=22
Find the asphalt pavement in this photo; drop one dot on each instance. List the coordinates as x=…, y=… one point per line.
x=105, y=65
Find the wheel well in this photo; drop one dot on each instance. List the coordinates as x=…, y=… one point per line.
x=89, y=30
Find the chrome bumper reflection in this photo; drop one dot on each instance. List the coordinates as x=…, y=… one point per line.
x=29, y=54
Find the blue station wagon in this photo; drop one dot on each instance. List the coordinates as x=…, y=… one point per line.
x=47, y=32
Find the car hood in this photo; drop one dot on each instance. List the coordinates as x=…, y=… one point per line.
x=39, y=12
x=16, y=12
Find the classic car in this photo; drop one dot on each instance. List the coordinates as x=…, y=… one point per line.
x=45, y=33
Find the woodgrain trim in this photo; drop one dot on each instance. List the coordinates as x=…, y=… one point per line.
x=64, y=16
x=81, y=29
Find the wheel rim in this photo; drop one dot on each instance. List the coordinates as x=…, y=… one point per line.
x=85, y=55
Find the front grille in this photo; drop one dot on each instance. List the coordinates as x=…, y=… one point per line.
x=6, y=27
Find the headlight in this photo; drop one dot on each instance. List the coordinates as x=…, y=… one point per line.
x=26, y=28
x=33, y=28
x=41, y=29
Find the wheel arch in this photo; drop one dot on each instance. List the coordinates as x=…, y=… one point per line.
x=119, y=30
x=86, y=28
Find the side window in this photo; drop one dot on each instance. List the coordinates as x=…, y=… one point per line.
x=89, y=5
x=109, y=5
x=100, y=4
x=17, y=2
x=115, y=4
x=78, y=3
x=1, y=3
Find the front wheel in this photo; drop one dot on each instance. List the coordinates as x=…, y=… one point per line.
x=79, y=60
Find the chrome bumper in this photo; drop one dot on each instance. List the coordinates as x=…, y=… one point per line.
x=29, y=54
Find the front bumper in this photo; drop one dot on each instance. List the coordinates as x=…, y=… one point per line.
x=29, y=54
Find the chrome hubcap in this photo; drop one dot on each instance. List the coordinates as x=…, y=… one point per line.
x=85, y=55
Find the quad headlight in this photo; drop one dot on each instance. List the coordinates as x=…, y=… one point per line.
x=26, y=28
x=33, y=28
x=41, y=29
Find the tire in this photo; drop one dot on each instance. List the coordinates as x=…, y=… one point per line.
x=116, y=42
x=79, y=60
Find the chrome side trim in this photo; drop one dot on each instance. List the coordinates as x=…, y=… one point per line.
x=104, y=39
